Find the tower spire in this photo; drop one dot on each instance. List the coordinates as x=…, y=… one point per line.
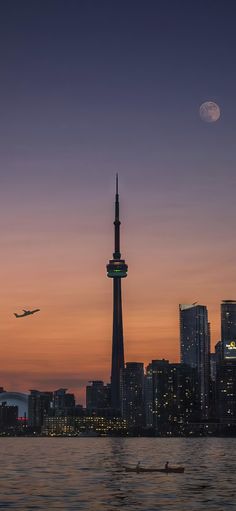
x=117, y=184
x=117, y=254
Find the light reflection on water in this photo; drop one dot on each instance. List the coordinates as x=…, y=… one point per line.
x=87, y=474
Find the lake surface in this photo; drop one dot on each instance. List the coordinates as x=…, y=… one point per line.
x=87, y=474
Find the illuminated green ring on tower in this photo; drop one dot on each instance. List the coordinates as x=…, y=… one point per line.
x=117, y=268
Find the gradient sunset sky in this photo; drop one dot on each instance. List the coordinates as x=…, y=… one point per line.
x=89, y=88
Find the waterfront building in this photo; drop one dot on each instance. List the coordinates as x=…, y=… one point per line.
x=195, y=347
x=8, y=417
x=148, y=396
x=98, y=397
x=40, y=404
x=18, y=399
x=87, y=425
x=63, y=403
x=171, y=396
x=132, y=394
x=228, y=320
x=58, y=425
x=225, y=350
x=117, y=269
x=226, y=391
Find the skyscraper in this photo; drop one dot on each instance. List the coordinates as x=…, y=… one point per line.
x=225, y=384
x=226, y=391
x=39, y=405
x=97, y=397
x=195, y=346
x=226, y=347
x=228, y=320
x=171, y=396
x=132, y=394
x=63, y=403
x=117, y=269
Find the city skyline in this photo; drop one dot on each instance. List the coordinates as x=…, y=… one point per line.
x=87, y=92
x=117, y=256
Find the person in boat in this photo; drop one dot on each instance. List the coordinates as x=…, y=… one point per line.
x=166, y=465
x=138, y=466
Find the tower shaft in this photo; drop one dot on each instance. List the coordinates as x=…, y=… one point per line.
x=117, y=345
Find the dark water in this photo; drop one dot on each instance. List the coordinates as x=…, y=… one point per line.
x=86, y=474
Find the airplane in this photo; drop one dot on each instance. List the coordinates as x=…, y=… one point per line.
x=26, y=313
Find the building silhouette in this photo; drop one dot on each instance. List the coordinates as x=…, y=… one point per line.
x=58, y=403
x=90, y=425
x=117, y=269
x=8, y=417
x=225, y=349
x=195, y=347
x=228, y=320
x=18, y=399
x=98, y=397
x=225, y=382
x=63, y=403
x=39, y=405
x=132, y=394
x=226, y=392
x=171, y=396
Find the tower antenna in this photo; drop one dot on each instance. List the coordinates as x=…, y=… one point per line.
x=117, y=184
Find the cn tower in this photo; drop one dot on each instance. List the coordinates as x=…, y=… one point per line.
x=117, y=270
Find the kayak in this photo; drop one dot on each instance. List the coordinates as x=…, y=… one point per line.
x=169, y=470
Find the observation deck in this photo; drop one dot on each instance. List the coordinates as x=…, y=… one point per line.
x=117, y=268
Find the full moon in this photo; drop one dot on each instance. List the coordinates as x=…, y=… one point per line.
x=209, y=111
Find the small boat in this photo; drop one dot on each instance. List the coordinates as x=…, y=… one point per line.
x=169, y=470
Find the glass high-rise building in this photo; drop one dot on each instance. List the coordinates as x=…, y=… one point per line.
x=228, y=320
x=195, y=346
x=227, y=345
x=97, y=397
x=39, y=405
x=171, y=396
x=226, y=391
x=132, y=394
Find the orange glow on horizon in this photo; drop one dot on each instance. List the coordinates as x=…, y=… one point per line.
x=64, y=274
